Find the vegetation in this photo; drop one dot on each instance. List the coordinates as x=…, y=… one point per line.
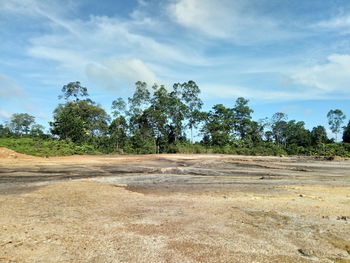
x=164, y=120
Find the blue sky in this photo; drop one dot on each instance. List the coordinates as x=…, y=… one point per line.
x=283, y=55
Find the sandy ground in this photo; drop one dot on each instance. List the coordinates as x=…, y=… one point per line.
x=173, y=208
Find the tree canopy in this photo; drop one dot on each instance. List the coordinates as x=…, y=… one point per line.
x=160, y=119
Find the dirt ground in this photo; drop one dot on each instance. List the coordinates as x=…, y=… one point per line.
x=173, y=208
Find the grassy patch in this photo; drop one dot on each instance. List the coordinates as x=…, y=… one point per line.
x=46, y=147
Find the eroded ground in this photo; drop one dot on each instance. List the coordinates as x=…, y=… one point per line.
x=174, y=208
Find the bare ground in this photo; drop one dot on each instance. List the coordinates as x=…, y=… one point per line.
x=173, y=208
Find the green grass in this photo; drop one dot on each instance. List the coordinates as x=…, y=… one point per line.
x=46, y=147
x=53, y=147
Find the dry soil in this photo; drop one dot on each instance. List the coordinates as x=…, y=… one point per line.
x=173, y=208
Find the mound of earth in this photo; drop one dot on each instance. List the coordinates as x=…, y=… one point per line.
x=10, y=154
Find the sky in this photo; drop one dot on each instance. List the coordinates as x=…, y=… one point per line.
x=283, y=55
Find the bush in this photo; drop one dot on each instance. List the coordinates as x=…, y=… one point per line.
x=50, y=147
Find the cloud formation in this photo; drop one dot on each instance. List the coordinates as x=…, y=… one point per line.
x=236, y=21
x=225, y=42
x=338, y=23
x=327, y=79
x=9, y=89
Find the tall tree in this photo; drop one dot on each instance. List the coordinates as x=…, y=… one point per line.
x=4, y=131
x=140, y=99
x=295, y=133
x=335, y=120
x=75, y=90
x=158, y=114
x=242, y=116
x=66, y=124
x=278, y=126
x=346, y=134
x=20, y=123
x=218, y=125
x=37, y=130
x=188, y=93
x=118, y=107
x=318, y=135
x=118, y=132
x=78, y=119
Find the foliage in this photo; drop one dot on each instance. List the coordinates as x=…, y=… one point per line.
x=78, y=120
x=335, y=119
x=158, y=119
x=73, y=89
x=319, y=135
x=46, y=147
x=346, y=134
x=20, y=123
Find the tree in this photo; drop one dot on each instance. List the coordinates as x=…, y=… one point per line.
x=79, y=119
x=346, y=134
x=278, y=126
x=218, y=125
x=254, y=132
x=318, y=135
x=335, y=120
x=140, y=99
x=295, y=133
x=20, y=123
x=158, y=114
x=118, y=132
x=118, y=107
x=66, y=124
x=4, y=131
x=242, y=116
x=188, y=92
x=73, y=89
x=37, y=130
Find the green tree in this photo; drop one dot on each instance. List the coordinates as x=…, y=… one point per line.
x=118, y=107
x=254, y=132
x=218, y=125
x=335, y=120
x=20, y=123
x=73, y=89
x=346, y=134
x=140, y=99
x=278, y=127
x=177, y=112
x=37, y=130
x=118, y=132
x=158, y=115
x=295, y=133
x=4, y=131
x=188, y=92
x=79, y=119
x=66, y=124
x=318, y=135
x=242, y=116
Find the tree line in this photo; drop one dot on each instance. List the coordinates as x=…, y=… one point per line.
x=157, y=119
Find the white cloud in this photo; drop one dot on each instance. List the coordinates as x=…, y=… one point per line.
x=112, y=51
x=232, y=91
x=9, y=89
x=338, y=23
x=226, y=19
x=105, y=46
x=102, y=47
x=112, y=71
x=4, y=114
x=330, y=78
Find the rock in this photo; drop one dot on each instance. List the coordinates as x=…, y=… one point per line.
x=305, y=252
x=345, y=218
